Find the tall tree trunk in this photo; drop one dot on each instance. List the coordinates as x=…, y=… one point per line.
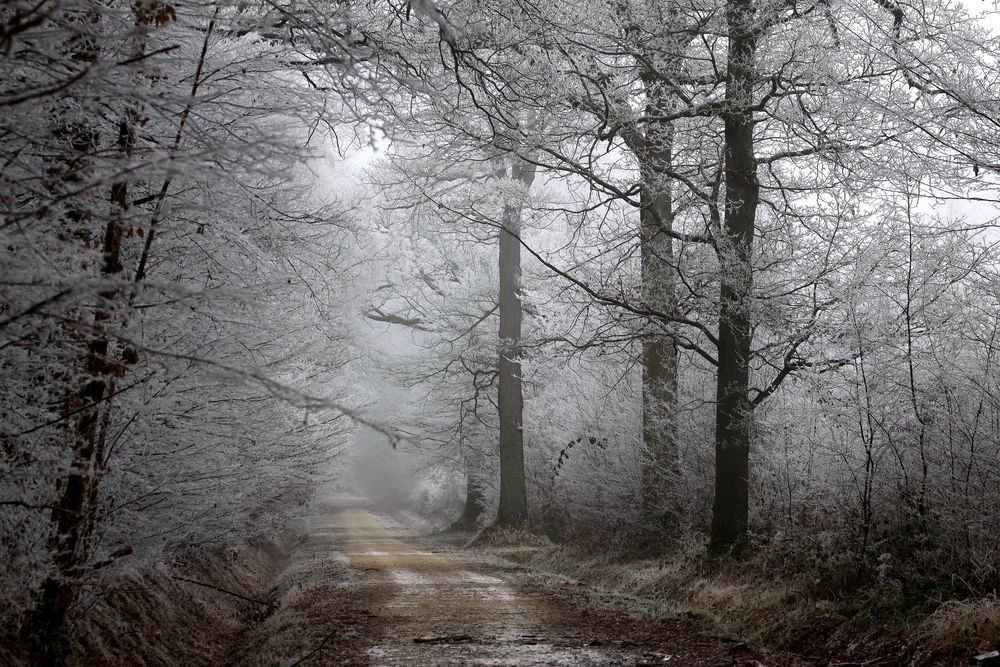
x=734, y=411
x=475, y=497
x=87, y=413
x=659, y=388
x=513, y=509
x=73, y=512
x=659, y=352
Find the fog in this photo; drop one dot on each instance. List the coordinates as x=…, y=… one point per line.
x=452, y=332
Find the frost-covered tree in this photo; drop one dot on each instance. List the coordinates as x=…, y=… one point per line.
x=783, y=113
x=166, y=267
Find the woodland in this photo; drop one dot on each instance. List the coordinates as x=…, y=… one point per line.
x=718, y=278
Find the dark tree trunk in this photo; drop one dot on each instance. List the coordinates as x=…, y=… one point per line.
x=74, y=511
x=71, y=515
x=88, y=413
x=659, y=362
x=513, y=509
x=475, y=496
x=475, y=503
x=659, y=352
x=734, y=412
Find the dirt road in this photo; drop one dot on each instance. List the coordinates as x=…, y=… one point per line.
x=433, y=605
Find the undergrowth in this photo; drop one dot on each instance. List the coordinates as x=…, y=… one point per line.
x=497, y=536
x=919, y=622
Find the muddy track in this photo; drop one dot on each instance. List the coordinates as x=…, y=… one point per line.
x=427, y=604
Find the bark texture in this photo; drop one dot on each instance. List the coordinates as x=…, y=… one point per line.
x=734, y=411
x=87, y=411
x=659, y=352
x=513, y=508
x=475, y=497
x=475, y=503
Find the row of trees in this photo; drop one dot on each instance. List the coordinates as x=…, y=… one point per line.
x=645, y=244
x=752, y=197
x=175, y=290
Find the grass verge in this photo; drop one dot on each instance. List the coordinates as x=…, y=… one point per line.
x=877, y=625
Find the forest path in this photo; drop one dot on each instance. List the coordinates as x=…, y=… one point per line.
x=436, y=605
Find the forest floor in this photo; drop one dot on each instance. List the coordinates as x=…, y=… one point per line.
x=348, y=585
x=415, y=600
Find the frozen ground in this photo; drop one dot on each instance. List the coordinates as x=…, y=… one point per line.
x=421, y=602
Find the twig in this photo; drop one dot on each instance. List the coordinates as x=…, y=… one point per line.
x=315, y=650
x=270, y=605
